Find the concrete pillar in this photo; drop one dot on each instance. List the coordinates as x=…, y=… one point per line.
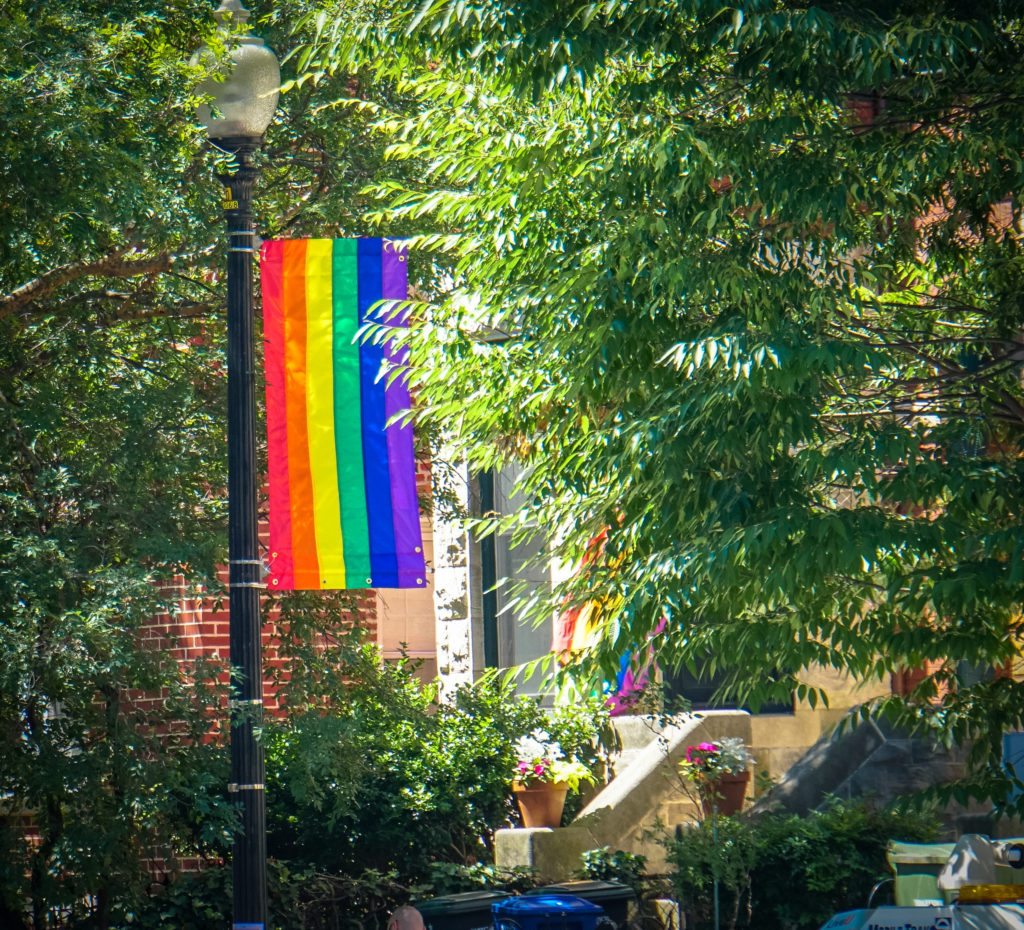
x=456, y=597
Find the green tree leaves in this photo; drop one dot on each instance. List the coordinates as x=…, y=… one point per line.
x=112, y=429
x=759, y=274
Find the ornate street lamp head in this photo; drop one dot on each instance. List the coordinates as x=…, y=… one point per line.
x=244, y=102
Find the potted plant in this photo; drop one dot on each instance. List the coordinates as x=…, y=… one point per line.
x=541, y=778
x=720, y=771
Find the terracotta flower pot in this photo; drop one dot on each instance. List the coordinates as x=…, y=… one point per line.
x=728, y=792
x=541, y=803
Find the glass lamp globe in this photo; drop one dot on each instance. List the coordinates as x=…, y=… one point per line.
x=243, y=104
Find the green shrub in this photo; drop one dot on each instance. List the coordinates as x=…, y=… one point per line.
x=783, y=872
x=453, y=878
x=394, y=780
x=389, y=796
x=299, y=899
x=615, y=865
x=728, y=850
x=304, y=899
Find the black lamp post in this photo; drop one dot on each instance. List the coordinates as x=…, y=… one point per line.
x=242, y=108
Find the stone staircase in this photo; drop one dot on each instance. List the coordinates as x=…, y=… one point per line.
x=801, y=753
x=634, y=735
x=875, y=760
x=645, y=800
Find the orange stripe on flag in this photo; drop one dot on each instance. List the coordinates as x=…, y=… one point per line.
x=307, y=569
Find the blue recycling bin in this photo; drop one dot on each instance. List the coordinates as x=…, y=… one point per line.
x=549, y=912
x=618, y=900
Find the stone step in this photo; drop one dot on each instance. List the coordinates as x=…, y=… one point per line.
x=637, y=732
x=623, y=760
x=634, y=734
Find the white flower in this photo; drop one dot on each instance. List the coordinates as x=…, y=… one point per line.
x=538, y=746
x=528, y=749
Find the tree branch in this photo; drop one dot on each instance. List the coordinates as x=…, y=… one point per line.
x=115, y=265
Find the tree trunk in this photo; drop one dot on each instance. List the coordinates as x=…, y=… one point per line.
x=51, y=826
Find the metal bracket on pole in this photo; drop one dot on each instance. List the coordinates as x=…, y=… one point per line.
x=248, y=584
x=248, y=234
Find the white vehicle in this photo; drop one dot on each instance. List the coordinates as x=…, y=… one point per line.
x=971, y=877
x=932, y=917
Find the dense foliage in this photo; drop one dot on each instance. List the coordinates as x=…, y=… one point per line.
x=299, y=899
x=758, y=276
x=391, y=780
x=110, y=441
x=605, y=864
x=304, y=899
x=748, y=280
x=112, y=449
x=386, y=798
x=783, y=872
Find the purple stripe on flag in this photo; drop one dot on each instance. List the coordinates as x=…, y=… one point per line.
x=402, y=456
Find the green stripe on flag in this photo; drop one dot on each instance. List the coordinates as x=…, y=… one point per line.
x=348, y=436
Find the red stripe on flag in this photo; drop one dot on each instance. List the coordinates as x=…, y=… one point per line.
x=282, y=564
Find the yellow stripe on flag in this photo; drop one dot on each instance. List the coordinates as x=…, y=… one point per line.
x=323, y=462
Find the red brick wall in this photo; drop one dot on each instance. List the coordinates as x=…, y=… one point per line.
x=424, y=479
x=199, y=627
x=904, y=681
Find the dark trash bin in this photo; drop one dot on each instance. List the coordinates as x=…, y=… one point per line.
x=549, y=912
x=468, y=911
x=618, y=900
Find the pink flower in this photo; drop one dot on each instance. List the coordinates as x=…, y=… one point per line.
x=699, y=755
x=524, y=766
x=538, y=769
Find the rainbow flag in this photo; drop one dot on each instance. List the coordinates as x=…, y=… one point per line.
x=343, y=508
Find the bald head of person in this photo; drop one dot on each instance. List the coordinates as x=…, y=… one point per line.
x=406, y=917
